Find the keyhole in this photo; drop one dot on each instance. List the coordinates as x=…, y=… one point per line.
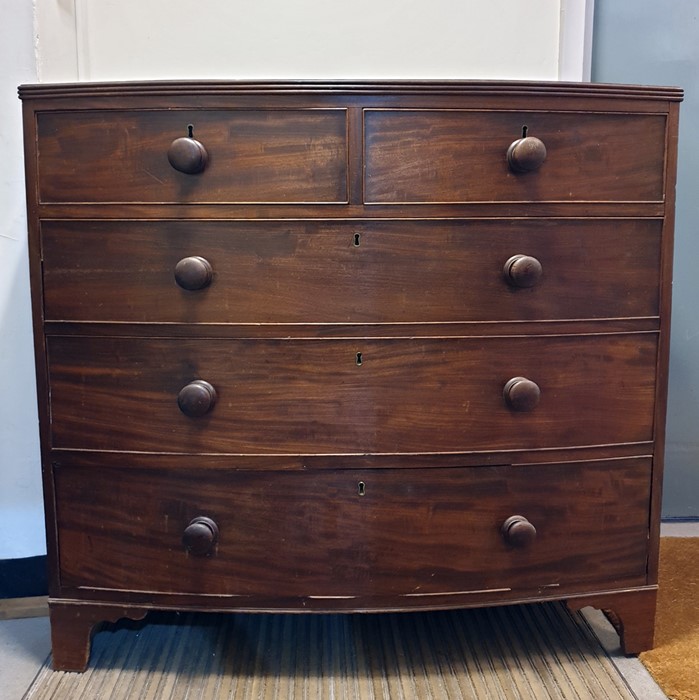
x=359, y=359
x=361, y=488
x=190, y=130
x=357, y=240
x=524, y=131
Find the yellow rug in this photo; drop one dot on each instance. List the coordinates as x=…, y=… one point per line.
x=674, y=662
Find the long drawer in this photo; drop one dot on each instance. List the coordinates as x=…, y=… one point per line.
x=450, y=156
x=345, y=272
x=253, y=156
x=354, y=533
x=310, y=396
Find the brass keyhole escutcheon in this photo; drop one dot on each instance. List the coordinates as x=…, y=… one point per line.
x=361, y=488
x=358, y=360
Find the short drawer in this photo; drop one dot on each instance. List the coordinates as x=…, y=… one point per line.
x=286, y=156
x=348, y=272
x=306, y=396
x=362, y=534
x=451, y=156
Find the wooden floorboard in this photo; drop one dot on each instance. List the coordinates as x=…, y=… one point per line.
x=14, y=608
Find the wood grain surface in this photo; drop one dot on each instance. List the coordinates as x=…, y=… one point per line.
x=349, y=272
x=459, y=156
x=254, y=156
x=295, y=534
x=311, y=396
x=314, y=355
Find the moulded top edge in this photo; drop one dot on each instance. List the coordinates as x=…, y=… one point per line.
x=349, y=87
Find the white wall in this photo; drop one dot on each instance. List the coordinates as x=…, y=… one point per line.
x=133, y=39
x=152, y=39
x=21, y=521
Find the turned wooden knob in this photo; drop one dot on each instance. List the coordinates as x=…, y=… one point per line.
x=197, y=398
x=187, y=155
x=518, y=531
x=200, y=536
x=527, y=154
x=521, y=394
x=193, y=273
x=522, y=271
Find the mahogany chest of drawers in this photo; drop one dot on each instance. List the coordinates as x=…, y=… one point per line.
x=350, y=346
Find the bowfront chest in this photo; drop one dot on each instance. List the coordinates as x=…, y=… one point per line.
x=350, y=346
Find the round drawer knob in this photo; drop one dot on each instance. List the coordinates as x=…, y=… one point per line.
x=193, y=273
x=187, y=155
x=527, y=154
x=522, y=271
x=521, y=394
x=197, y=398
x=200, y=536
x=518, y=531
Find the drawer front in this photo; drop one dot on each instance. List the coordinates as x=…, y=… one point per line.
x=295, y=534
x=451, y=156
x=349, y=272
x=253, y=156
x=350, y=395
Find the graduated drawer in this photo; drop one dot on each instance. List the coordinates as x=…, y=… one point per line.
x=348, y=272
x=311, y=396
x=357, y=533
x=455, y=155
x=253, y=156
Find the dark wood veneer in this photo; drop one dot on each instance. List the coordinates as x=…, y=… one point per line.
x=349, y=272
x=350, y=346
x=253, y=156
x=456, y=156
x=309, y=396
x=300, y=535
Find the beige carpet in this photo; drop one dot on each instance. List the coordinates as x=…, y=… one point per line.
x=529, y=652
x=674, y=661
